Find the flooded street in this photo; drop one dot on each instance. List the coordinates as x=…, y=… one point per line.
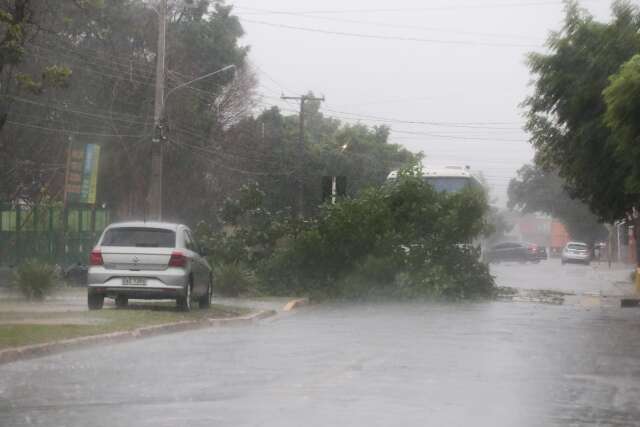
x=596, y=278
x=481, y=364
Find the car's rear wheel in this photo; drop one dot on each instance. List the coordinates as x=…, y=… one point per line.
x=95, y=301
x=122, y=301
x=205, y=300
x=184, y=302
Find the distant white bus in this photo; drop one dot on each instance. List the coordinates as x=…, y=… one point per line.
x=451, y=179
x=447, y=179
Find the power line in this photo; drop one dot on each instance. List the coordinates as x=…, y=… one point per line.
x=487, y=125
x=452, y=137
x=110, y=66
x=471, y=125
x=382, y=24
x=50, y=129
x=61, y=122
x=118, y=73
x=385, y=101
x=456, y=137
x=392, y=38
x=91, y=55
x=203, y=150
x=436, y=8
x=268, y=76
x=192, y=133
x=78, y=112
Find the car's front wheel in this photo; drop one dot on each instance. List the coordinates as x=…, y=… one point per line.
x=205, y=300
x=184, y=302
x=95, y=301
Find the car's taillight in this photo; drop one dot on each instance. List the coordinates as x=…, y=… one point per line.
x=177, y=259
x=96, y=257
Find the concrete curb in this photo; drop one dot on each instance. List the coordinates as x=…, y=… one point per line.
x=38, y=350
x=296, y=303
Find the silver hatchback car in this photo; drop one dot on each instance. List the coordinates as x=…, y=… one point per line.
x=577, y=252
x=148, y=260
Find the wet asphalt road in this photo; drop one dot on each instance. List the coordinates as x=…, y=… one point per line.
x=478, y=364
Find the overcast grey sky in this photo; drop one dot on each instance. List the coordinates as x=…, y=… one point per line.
x=458, y=65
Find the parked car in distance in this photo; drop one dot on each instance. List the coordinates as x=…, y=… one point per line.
x=539, y=251
x=76, y=274
x=513, y=251
x=148, y=260
x=576, y=252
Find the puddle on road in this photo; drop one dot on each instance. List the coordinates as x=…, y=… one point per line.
x=585, y=300
x=532, y=296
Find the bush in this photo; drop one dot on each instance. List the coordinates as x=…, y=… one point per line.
x=35, y=279
x=402, y=241
x=232, y=280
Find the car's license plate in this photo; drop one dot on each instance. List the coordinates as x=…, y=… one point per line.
x=134, y=281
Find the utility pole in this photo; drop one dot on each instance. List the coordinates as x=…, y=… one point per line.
x=155, y=185
x=302, y=99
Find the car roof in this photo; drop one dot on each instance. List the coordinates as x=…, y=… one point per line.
x=577, y=243
x=146, y=224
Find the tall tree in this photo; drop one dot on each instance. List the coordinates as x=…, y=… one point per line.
x=535, y=190
x=108, y=52
x=623, y=110
x=566, y=111
x=264, y=148
x=214, y=145
x=24, y=73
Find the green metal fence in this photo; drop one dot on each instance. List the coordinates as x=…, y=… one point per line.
x=53, y=234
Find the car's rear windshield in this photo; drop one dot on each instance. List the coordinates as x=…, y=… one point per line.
x=140, y=237
x=577, y=246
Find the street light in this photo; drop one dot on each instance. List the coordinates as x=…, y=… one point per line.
x=155, y=190
x=180, y=86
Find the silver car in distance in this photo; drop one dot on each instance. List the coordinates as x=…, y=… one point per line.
x=577, y=252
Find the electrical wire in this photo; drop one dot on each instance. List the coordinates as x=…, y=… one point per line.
x=391, y=38
x=92, y=55
x=203, y=150
x=470, y=125
x=194, y=134
x=73, y=111
x=475, y=5
x=50, y=129
x=381, y=24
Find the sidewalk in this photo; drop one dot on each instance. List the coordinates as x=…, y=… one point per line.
x=579, y=285
x=64, y=321
x=550, y=275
